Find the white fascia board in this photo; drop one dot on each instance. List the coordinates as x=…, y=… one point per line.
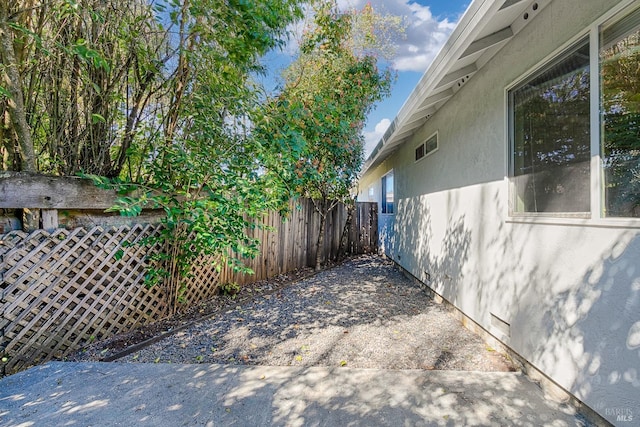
x=476, y=17
x=470, y=24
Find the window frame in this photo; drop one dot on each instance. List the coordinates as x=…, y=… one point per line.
x=632, y=12
x=426, y=144
x=423, y=153
x=594, y=218
x=537, y=70
x=383, y=194
x=425, y=147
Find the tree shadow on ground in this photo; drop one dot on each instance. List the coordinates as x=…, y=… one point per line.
x=164, y=394
x=362, y=314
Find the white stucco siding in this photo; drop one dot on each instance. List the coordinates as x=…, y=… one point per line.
x=570, y=289
x=570, y=294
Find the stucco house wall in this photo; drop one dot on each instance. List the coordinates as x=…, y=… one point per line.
x=564, y=293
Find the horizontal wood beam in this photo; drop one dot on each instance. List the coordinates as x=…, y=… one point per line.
x=32, y=191
x=408, y=132
x=509, y=3
x=434, y=99
x=457, y=75
x=414, y=122
x=488, y=41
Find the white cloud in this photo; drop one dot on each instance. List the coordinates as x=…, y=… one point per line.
x=371, y=139
x=425, y=34
x=424, y=41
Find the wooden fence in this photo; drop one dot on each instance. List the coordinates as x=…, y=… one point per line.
x=62, y=289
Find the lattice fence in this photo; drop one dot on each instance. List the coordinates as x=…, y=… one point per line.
x=66, y=288
x=63, y=289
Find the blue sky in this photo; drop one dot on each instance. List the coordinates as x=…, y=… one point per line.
x=430, y=24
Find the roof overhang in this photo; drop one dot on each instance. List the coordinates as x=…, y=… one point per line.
x=485, y=27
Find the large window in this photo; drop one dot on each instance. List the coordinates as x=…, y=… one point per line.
x=552, y=134
x=387, y=193
x=620, y=109
x=550, y=137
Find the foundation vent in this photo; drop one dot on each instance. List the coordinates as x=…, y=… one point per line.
x=500, y=325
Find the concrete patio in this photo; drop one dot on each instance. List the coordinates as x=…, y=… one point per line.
x=112, y=394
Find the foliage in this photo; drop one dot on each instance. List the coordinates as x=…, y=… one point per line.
x=87, y=70
x=154, y=99
x=374, y=33
x=316, y=122
x=157, y=99
x=103, y=85
x=230, y=289
x=621, y=115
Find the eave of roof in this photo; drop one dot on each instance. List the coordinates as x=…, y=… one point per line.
x=485, y=27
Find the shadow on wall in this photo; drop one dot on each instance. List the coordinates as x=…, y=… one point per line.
x=443, y=269
x=594, y=333
x=581, y=330
x=387, y=236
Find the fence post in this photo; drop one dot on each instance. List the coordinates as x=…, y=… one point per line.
x=30, y=220
x=49, y=219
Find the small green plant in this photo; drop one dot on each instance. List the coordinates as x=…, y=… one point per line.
x=230, y=289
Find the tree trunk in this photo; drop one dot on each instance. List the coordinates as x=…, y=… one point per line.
x=181, y=80
x=344, y=237
x=11, y=78
x=319, y=243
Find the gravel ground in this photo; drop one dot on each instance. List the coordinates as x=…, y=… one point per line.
x=363, y=313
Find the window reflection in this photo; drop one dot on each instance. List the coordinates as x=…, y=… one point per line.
x=620, y=80
x=387, y=193
x=551, y=136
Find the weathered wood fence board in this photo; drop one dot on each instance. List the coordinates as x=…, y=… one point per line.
x=60, y=290
x=28, y=190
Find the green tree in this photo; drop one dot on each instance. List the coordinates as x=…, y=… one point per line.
x=13, y=97
x=204, y=171
x=86, y=71
x=92, y=86
x=317, y=119
x=156, y=99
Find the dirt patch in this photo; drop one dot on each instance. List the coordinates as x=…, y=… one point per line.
x=363, y=313
x=112, y=347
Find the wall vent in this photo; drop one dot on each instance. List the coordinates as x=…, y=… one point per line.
x=500, y=325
